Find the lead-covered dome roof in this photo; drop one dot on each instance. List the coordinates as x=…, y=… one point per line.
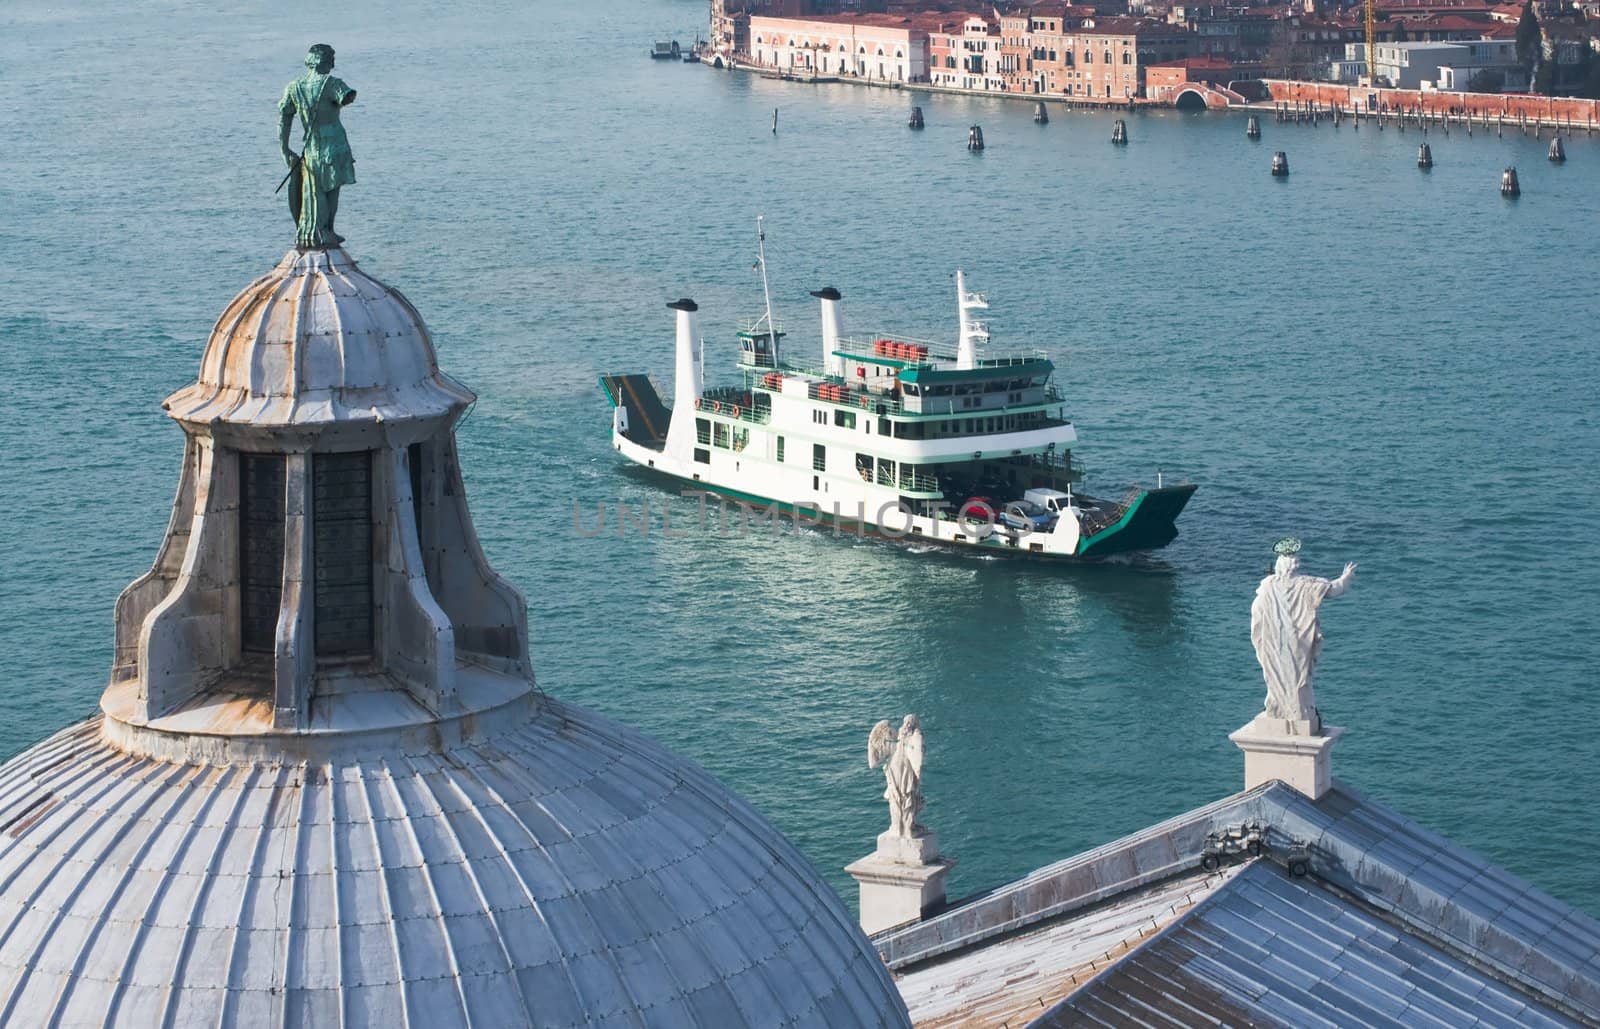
x=563, y=871
x=317, y=340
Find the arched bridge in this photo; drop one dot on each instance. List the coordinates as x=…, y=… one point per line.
x=1197, y=95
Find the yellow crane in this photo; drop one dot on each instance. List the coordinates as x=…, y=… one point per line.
x=1372, y=46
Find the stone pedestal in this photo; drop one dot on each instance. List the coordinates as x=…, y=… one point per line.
x=1294, y=752
x=900, y=881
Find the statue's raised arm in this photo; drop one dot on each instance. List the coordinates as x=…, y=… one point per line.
x=1288, y=636
x=324, y=163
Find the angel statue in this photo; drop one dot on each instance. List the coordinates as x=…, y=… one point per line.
x=1287, y=635
x=900, y=754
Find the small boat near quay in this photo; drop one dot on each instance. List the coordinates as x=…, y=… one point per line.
x=963, y=446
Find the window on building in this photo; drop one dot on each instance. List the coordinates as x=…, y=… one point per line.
x=414, y=472
x=341, y=529
x=260, y=549
x=844, y=419
x=819, y=457
x=780, y=448
x=702, y=455
x=702, y=430
x=719, y=434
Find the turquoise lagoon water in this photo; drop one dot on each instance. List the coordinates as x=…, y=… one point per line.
x=1397, y=366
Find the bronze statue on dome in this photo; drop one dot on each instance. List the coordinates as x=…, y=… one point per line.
x=324, y=163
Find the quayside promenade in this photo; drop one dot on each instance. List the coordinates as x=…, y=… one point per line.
x=1289, y=100
x=1474, y=61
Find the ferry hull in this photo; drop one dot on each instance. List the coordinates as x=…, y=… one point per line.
x=1148, y=520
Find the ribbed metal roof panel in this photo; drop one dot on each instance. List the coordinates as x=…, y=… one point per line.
x=1268, y=949
x=1429, y=895
x=317, y=340
x=1436, y=888
x=563, y=872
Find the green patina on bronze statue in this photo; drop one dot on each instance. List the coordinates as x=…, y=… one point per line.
x=324, y=163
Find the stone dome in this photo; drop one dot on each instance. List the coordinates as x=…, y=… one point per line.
x=324, y=788
x=561, y=870
x=317, y=340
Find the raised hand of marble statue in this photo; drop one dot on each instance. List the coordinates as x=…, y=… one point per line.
x=324, y=163
x=1287, y=635
x=900, y=754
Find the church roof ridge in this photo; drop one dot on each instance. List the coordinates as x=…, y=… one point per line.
x=1419, y=882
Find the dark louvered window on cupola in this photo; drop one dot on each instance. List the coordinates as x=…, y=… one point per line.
x=260, y=549
x=341, y=524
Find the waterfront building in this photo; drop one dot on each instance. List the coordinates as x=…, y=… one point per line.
x=1015, y=65
x=1088, y=57
x=730, y=20
x=870, y=47
x=1106, y=57
x=966, y=57
x=1440, y=66
x=323, y=788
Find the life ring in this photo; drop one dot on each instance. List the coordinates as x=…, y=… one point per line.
x=734, y=410
x=699, y=403
x=716, y=405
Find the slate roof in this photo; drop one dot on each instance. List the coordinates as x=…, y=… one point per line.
x=1272, y=949
x=1043, y=963
x=1393, y=925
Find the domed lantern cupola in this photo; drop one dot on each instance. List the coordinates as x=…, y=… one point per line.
x=320, y=543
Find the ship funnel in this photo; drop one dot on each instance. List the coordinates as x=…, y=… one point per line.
x=832, y=328
x=686, y=380
x=686, y=388
x=973, y=331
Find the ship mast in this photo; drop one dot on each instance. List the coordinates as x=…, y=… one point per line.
x=766, y=290
x=973, y=331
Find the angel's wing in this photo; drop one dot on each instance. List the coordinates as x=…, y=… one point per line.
x=880, y=745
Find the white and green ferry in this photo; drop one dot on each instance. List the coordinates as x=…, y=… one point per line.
x=906, y=438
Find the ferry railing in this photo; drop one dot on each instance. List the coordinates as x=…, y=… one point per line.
x=1097, y=519
x=914, y=482
x=936, y=350
x=733, y=402
x=861, y=400
x=1014, y=357
x=758, y=327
